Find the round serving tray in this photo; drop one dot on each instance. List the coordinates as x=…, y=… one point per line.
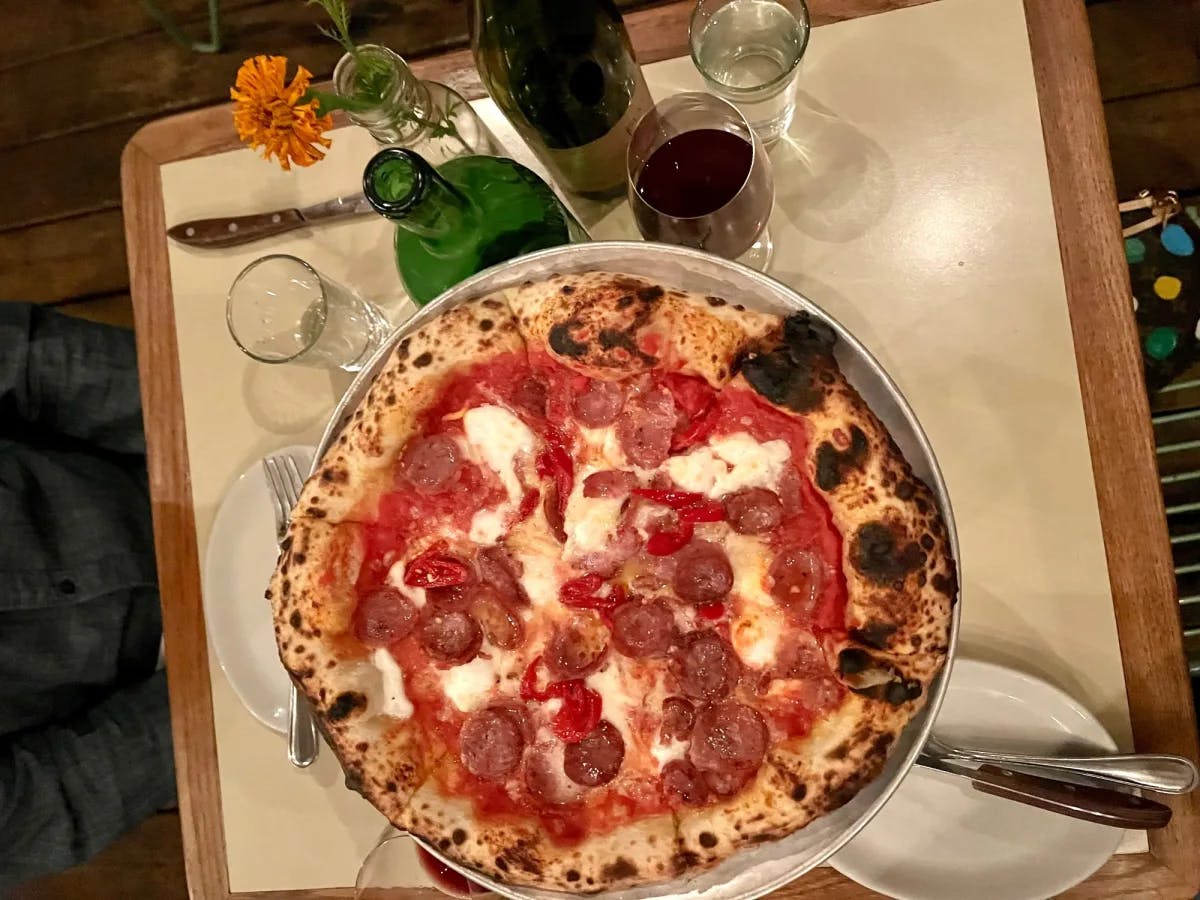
x=757, y=870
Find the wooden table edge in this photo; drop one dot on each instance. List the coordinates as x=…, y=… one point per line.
x=1118, y=425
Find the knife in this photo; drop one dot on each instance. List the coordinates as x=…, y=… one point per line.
x=232, y=231
x=1091, y=804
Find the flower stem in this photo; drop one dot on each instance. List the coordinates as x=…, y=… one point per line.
x=212, y=45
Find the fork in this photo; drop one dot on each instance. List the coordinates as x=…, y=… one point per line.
x=285, y=481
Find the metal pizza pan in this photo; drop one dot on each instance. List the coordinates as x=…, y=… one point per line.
x=758, y=870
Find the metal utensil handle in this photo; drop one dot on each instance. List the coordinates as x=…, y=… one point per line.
x=1090, y=804
x=1159, y=772
x=302, y=731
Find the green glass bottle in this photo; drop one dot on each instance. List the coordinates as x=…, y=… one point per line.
x=470, y=213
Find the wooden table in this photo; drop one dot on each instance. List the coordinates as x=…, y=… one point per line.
x=1109, y=369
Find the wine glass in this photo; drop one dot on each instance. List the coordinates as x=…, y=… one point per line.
x=698, y=176
x=390, y=871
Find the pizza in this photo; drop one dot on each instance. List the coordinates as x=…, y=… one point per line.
x=603, y=581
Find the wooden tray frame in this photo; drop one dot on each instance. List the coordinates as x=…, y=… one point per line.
x=1115, y=407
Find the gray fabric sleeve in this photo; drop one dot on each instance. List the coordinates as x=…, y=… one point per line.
x=69, y=789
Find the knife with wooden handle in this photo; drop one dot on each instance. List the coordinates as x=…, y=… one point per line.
x=233, y=231
x=1091, y=804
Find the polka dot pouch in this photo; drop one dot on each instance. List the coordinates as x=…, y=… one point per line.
x=1161, y=238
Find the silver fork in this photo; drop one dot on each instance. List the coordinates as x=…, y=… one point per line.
x=285, y=481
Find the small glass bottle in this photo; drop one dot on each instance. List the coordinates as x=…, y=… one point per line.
x=399, y=109
x=470, y=213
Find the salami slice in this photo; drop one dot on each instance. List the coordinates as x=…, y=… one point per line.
x=577, y=647
x=612, y=483
x=451, y=636
x=498, y=568
x=683, y=781
x=645, y=427
x=707, y=668
x=678, y=717
x=430, y=462
x=796, y=578
x=383, y=617
x=501, y=625
x=642, y=630
x=491, y=744
x=597, y=758
x=599, y=404
x=728, y=736
x=702, y=573
x=727, y=782
x=753, y=511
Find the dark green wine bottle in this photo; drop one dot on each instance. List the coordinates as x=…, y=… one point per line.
x=565, y=76
x=470, y=213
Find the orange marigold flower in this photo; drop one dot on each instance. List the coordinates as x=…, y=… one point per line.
x=268, y=112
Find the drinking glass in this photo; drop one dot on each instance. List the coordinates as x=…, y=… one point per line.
x=749, y=53
x=281, y=309
x=388, y=872
x=698, y=176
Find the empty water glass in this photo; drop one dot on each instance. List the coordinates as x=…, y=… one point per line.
x=749, y=53
x=281, y=309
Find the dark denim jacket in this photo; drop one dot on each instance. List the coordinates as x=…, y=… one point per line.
x=85, y=742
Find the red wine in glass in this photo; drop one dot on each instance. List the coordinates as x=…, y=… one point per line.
x=695, y=173
x=697, y=177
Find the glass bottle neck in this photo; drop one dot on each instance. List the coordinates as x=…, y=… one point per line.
x=394, y=105
x=403, y=187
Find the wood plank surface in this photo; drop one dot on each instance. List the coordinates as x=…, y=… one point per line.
x=1144, y=46
x=1154, y=140
x=72, y=258
x=1122, y=453
x=1115, y=408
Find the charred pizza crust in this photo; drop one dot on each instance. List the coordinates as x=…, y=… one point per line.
x=613, y=326
x=312, y=599
x=900, y=577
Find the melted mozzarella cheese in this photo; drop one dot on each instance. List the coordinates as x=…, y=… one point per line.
x=589, y=522
x=614, y=698
x=729, y=463
x=538, y=556
x=395, y=702
x=668, y=752
x=470, y=685
x=395, y=577
x=755, y=632
x=495, y=437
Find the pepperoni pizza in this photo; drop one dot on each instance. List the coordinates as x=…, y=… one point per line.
x=603, y=581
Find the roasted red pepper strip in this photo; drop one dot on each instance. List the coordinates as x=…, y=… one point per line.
x=664, y=543
x=434, y=569
x=692, y=507
x=696, y=398
x=529, y=683
x=694, y=431
x=555, y=462
x=711, y=610
x=580, y=713
x=704, y=511
x=581, y=706
x=582, y=593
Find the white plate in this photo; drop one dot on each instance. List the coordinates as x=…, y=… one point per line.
x=938, y=838
x=238, y=563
